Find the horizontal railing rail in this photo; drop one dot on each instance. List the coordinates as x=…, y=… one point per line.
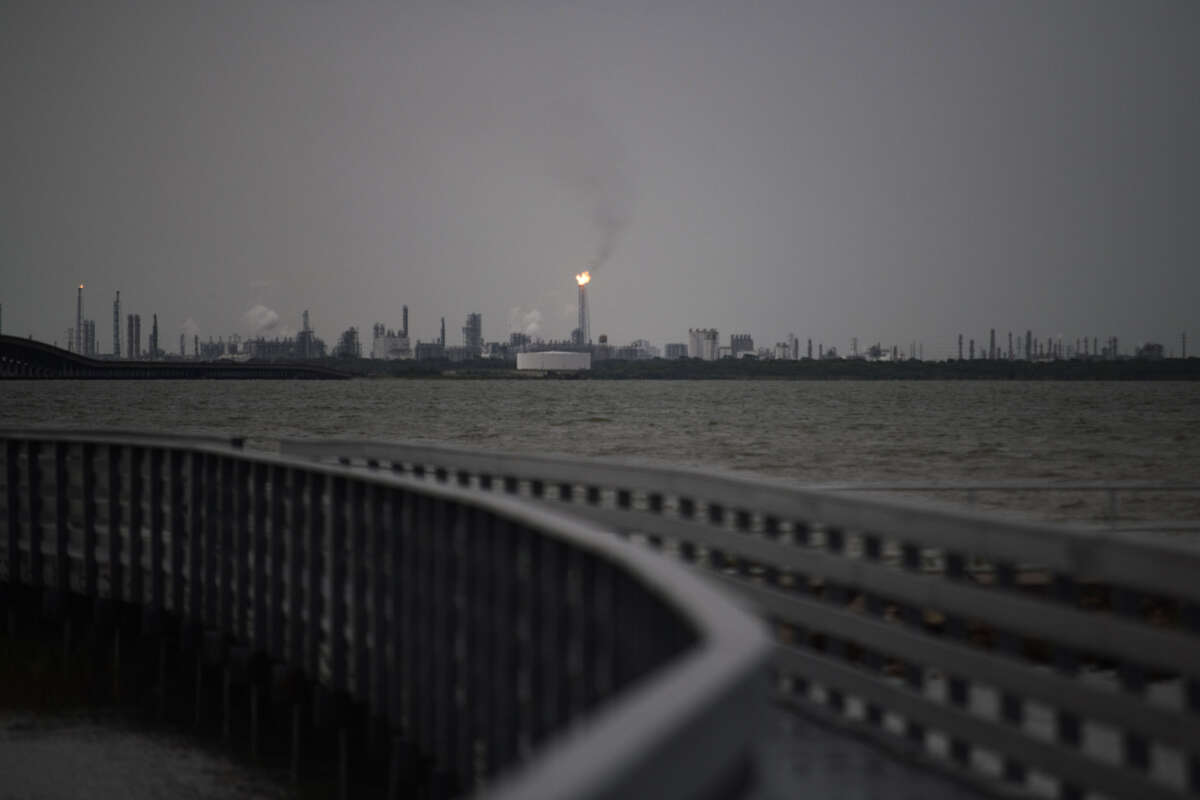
x=975, y=491
x=527, y=653
x=1019, y=655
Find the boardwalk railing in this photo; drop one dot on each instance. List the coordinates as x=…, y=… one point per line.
x=1035, y=658
x=527, y=654
x=1109, y=491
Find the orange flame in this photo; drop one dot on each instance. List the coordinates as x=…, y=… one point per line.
x=583, y=278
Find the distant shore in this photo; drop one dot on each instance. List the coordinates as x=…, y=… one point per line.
x=1176, y=369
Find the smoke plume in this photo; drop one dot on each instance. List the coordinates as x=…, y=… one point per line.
x=588, y=158
x=527, y=322
x=261, y=320
x=189, y=327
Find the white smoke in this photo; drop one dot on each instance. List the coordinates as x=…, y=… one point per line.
x=527, y=322
x=189, y=327
x=261, y=320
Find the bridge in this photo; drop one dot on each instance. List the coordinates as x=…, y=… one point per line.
x=26, y=358
x=547, y=627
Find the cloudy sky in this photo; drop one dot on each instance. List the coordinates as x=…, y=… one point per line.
x=886, y=170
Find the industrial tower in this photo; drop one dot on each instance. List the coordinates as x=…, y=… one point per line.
x=116, y=351
x=585, y=333
x=79, y=320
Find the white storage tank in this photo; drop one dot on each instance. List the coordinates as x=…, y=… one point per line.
x=554, y=360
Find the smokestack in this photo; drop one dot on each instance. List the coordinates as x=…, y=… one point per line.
x=810, y=349
x=79, y=320
x=960, y=347
x=154, y=339
x=584, y=335
x=182, y=348
x=442, y=338
x=404, y=331
x=116, y=351
x=1010, y=353
x=137, y=335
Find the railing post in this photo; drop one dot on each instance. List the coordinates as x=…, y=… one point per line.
x=62, y=556
x=195, y=572
x=337, y=594
x=12, y=452
x=262, y=539
x=296, y=533
x=158, y=599
x=243, y=514
x=136, y=496
x=377, y=568
x=89, y=520
x=358, y=594
x=227, y=561
x=316, y=573
x=116, y=578
x=277, y=515
x=33, y=452
x=212, y=521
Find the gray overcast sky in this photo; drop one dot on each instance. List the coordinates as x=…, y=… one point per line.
x=887, y=170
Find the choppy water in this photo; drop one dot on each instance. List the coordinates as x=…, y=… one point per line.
x=809, y=431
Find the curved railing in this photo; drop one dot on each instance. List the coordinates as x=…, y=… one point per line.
x=1022, y=657
x=528, y=654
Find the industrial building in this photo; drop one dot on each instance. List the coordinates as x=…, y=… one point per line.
x=638, y=350
x=554, y=360
x=703, y=343
x=676, y=350
x=430, y=351
x=472, y=335
x=133, y=338
x=348, y=345
x=391, y=345
x=741, y=343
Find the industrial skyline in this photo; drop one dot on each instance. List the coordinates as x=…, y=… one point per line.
x=900, y=172
x=278, y=341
